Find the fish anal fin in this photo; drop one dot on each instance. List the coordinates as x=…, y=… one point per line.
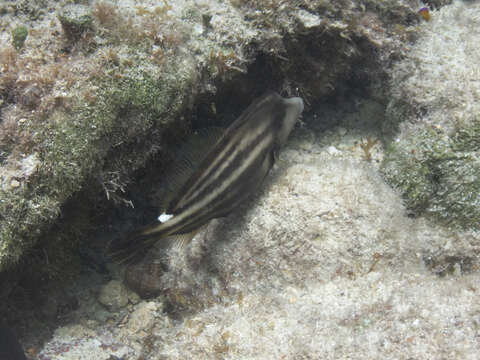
x=134, y=245
x=180, y=241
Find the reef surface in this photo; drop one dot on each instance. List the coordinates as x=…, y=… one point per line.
x=363, y=241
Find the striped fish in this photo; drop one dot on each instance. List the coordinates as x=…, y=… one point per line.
x=232, y=170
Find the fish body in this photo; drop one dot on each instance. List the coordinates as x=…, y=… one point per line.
x=231, y=171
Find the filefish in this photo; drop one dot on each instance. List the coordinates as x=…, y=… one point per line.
x=229, y=173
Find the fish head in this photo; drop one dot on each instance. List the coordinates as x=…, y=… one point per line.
x=293, y=107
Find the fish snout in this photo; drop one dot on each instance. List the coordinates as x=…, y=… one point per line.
x=295, y=103
x=294, y=107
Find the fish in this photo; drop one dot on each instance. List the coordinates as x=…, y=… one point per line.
x=425, y=13
x=10, y=348
x=229, y=173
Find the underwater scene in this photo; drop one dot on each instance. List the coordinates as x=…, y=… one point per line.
x=239, y=179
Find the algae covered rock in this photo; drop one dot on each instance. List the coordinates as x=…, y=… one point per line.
x=325, y=262
x=95, y=117
x=439, y=174
x=74, y=145
x=435, y=158
x=76, y=20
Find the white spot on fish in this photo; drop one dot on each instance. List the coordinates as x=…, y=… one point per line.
x=164, y=217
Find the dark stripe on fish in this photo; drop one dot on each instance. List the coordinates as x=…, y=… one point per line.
x=230, y=172
x=231, y=190
x=242, y=157
x=231, y=148
x=237, y=156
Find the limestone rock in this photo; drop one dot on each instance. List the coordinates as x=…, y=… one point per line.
x=114, y=295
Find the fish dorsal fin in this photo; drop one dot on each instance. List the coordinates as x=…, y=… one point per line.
x=270, y=97
x=187, y=158
x=199, y=143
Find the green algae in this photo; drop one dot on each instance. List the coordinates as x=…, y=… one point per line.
x=76, y=20
x=80, y=145
x=19, y=35
x=438, y=173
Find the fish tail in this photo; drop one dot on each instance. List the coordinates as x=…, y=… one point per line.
x=134, y=245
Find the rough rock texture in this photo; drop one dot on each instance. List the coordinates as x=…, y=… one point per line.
x=99, y=88
x=325, y=262
x=113, y=295
x=79, y=342
x=98, y=93
x=142, y=319
x=435, y=158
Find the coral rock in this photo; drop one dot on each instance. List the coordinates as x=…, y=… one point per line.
x=144, y=278
x=113, y=295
